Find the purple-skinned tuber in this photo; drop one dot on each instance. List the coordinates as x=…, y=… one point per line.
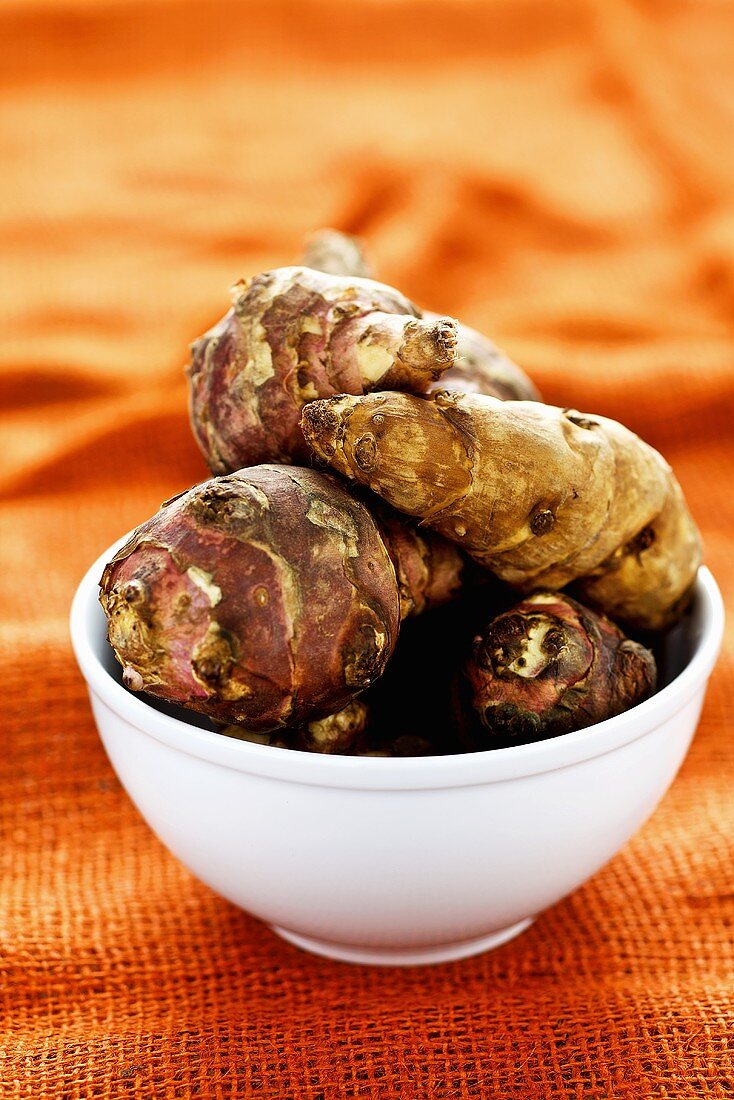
x=548, y=666
x=295, y=334
x=267, y=598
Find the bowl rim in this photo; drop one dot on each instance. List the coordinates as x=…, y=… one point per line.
x=394, y=773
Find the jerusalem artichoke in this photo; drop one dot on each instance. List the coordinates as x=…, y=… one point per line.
x=538, y=495
x=336, y=253
x=295, y=334
x=549, y=666
x=264, y=598
x=341, y=732
x=429, y=568
x=267, y=598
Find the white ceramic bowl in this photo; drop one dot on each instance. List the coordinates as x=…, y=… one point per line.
x=397, y=861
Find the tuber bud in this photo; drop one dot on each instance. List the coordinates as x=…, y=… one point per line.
x=549, y=666
x=265, y=598
x=540, y=496
x=293, y=335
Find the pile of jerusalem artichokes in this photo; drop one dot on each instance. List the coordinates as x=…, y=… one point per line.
x=402, y=550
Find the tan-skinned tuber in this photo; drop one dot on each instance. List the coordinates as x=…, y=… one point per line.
x=480, y=366
x=340, y=733
x=295, y=334
x=549, y=666
x=267, y=598
x=345, y=733
x=540, y=496
x=336, y=253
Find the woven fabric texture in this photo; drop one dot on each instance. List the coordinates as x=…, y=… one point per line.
x=559, y=174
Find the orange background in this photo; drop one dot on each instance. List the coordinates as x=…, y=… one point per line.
x=559, y=174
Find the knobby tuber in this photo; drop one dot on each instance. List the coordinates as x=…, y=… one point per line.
x=548, y=666
x=336, y=253
x=340, y=733
x=267, y=598
x=295, y=334
x=345, y=733
x=336, y=733
x=480, y=366
x=429, y=568
x=538, y=495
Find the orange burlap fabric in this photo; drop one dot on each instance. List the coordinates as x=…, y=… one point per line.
x=558, y=173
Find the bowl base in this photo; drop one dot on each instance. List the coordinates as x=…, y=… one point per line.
x=410, y=956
